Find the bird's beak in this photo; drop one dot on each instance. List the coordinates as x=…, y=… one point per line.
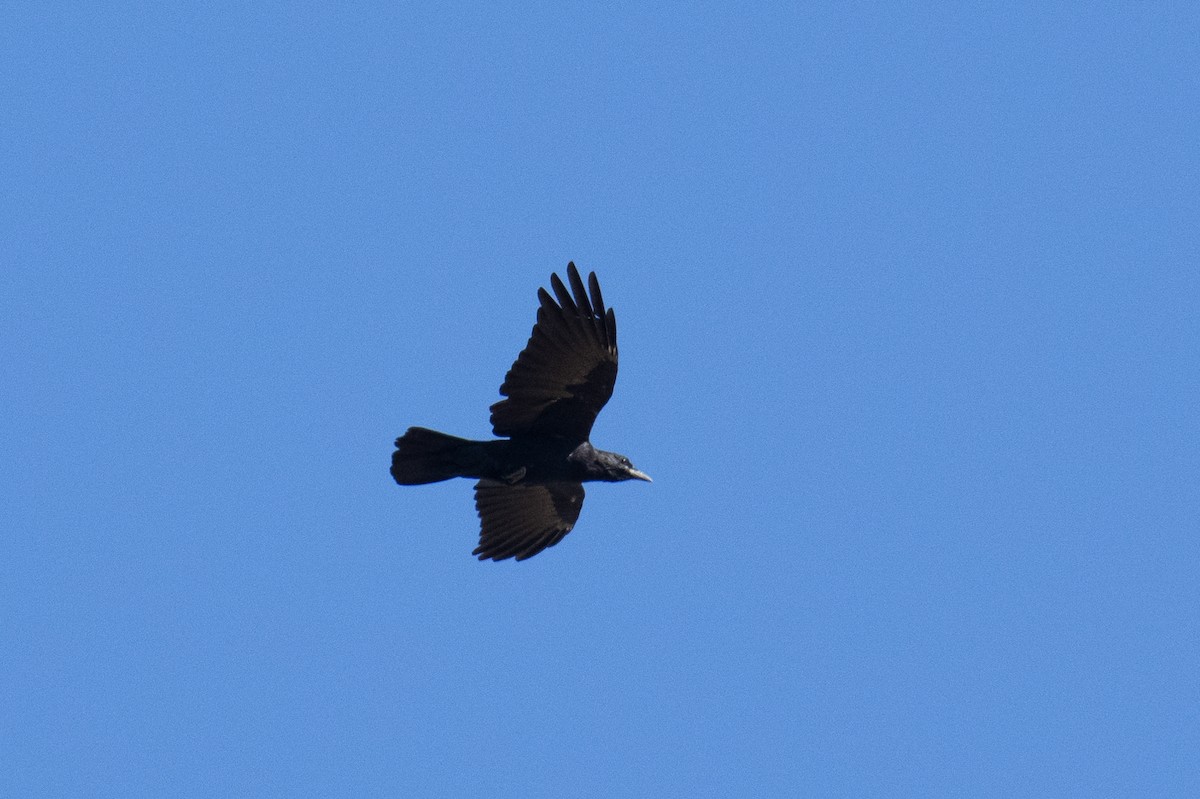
x=639, y=475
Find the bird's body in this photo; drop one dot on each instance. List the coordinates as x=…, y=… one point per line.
x=520, y=460
x=530, y=485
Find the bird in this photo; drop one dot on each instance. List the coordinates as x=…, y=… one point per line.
x=530, y=479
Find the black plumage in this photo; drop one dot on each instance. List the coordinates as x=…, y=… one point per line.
x=530, y=488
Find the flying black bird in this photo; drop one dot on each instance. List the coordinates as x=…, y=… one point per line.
x=530, y=487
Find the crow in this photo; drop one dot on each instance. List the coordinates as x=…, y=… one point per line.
x=530, y=487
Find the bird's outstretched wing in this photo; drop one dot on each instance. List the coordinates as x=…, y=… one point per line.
x=521, y=520
x=566, y=372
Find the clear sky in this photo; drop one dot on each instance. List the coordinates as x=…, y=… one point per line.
x=908, y=312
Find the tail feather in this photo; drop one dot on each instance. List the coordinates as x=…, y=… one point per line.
x=426, y=456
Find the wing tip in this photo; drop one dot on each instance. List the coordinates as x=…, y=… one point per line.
x=597, y=297
x=564, y=296
x=581, y=297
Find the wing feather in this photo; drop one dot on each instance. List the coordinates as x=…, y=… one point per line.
x=598, y=306
x=581, y=297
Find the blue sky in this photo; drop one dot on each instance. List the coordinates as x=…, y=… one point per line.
x=908, y=311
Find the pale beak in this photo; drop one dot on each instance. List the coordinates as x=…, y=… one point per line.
x=639, y=475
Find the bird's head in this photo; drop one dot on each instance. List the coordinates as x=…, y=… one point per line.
x=613, y=468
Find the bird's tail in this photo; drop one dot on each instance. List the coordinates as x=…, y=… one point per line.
x=426, y=456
